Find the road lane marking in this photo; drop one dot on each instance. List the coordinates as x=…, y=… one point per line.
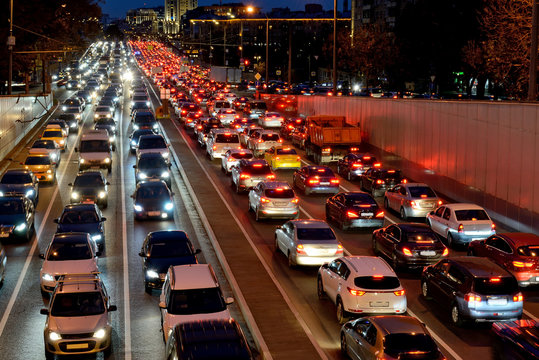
x=530, y=315
x=127, y=310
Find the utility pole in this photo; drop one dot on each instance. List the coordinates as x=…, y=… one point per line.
x=532, y=84
x=334, y=47
x=289, y=54
x=10, y=44
x=267, y=48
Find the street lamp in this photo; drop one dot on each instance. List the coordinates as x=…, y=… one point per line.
x=267, y=48
x=334, y=47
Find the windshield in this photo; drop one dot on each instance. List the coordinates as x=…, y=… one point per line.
x=227, y=138
x=94, y=146
x=78, y=304
x=168, y=249
x=279, y=193
x=37, y=160
x=377, y=282
x=69, y=249
x=421, y=191
x=495, y=286
x=286, y=152
x=153, y=162
x=102, y=109
x=315, y=234
x=196, y=301
x=151, y=142
x=414, y=343
x=16, y=179
x=321, y=171
x=53, y=134
x=9, y=207
x=79, y=217
x=259, y=170
x=140, y=98
x=153, y=193
x=88, y=181
x=471, y=215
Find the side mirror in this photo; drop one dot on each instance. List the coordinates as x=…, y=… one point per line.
x=107, y=183
x=103, y=219
x=112, y=308
x=134, y=166
x=229, y=300
x=141, y=254
x=162, y=305
x=56, y=221
x=198, y=251
x=70, y=184
x=325, y=266
x=431, y=213
x=278, y=227
x=42, y=256
x=44, y=312
x=76, y=150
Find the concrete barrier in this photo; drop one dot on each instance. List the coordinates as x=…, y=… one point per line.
x=481, y=152
x=18, y=115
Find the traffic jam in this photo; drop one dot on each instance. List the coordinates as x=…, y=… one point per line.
x=362, y=244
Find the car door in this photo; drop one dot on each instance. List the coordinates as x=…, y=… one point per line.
x=356, y=338
x=392, y=196
x=435, y=219
x=299, y=179
x=367, y=179
x=255, y=194
x=444, y=222
x=499, y=251
x=436, y=272
x=367, y=344
x=449, y=284
x=282, y=235
x=331, y=278
x=390, y=240
x=335, y=207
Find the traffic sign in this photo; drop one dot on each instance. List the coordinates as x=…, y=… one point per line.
x=258, y=76
x=278, y=72
x=313, y=73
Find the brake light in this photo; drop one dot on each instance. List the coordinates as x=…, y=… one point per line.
x=461, y=228
x=518, y=297
x=493, y=226
x=298, y=158
x=259, y=141
x=270, y=177
x=264, y=200
x=326, y=150
x=413, y=204
x=357, y=166
x=280, y=140
x=495, y=280
x=423, y=195
x=214, y=147
x=340, y=249
x=231, y=159
x=245, y=176
x=334, y=181
x=380, y=214
x=300, y=249
x=521, y=264
x=355, y=292
x=399, y=292
x=404, y=181
x=290, y=127
x=314, y=181
x=446, y=252
x=352, y=215
x=277, y=158
x=472, y=298
x=380, y=181
x=294, y=201
x=407, y=252
x=377, y=165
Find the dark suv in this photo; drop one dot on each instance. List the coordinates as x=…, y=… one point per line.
x=473, y=288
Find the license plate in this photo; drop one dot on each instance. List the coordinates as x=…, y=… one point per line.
x=497, y=301
x=154, y=213
x=367, y=214
x=379, y=303
x=281, y=204
x=324, y=183
x=77, y=346
x=427, y=253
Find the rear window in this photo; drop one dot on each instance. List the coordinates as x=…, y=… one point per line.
x=377, y=282
x=471, y=215
x=151, y=142
x=421, y=191
x=415, y=345
x=391, y=174
x=286, y=152
x=359, y=199
x=227, y=138
x=315, y=234
x=53, y=133
x=369, y=160
x=531, y=250
x=422, y=237
x=495, y=286
x=242, y=156
x=259, y=170
x=270, y=137
x=279, y=193
x=321, y=172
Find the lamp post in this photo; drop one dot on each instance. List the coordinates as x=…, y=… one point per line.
x=334, y=47
x=267, y=48
x=10, y=44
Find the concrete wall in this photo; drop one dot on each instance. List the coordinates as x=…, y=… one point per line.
x=18, y=115
x=481, y=152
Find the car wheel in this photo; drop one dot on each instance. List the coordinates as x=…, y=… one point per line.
x=291, y=262
x=276, y=245
x=320, y=288
x=257, y=215
x=450, y=241
x=147, y=288
x=471, y=252
x=456, y=316
x=425, y=290
x=108, y=351
x=386, y=204
x=307, y=191
x=344, y=346
x=403, y=214
x=238, y=189
x=48, y=355
x=341, y=313
x=395, y=262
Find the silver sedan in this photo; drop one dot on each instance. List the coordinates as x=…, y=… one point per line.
x=232, y=157
x=273, y=199
x=411, y=200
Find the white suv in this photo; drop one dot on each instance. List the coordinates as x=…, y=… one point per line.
x=361, y=285
x=220, y=141
x=190, y=293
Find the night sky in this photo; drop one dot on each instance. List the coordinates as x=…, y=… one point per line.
x=118, y=8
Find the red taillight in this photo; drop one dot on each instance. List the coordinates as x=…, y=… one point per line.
x=300, y=249
x=270, y=177
x=184, y=111
x=446, y=252
x=231, y=159
x=290, y=127
x=298, y=158
x=340, y=249
x=314, y=181
x=380, y=181
x=294, y=201
x=439, y=202
x=352, y=215
x=522, y=265
x=380, y=214
x=259, y=141
x=377, y=165
x=399, y=292
x=264, y=200
x=472, y=298
x=334, y=181
x=461, y=228
x=493, y=226
x=280, y=140
x=277, y=158
x=199, y=127
x=245, y=176
x=214, y=147
x=355, y=292
x=357, y=166
x=404, y=181
x=407, y=252
x=518, y=297
x=495, y=280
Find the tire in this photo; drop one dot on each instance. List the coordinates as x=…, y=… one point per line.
x=425, y=290
x=48, y=355
x=450, y=241
x=257, y=215
x=402, y=213
x=386, y=204
x=341, y=313
x=147, y=288
x=456, y=317
x=344, y=347
x=320, y=288
x=307, y=191
x=395, y=262
x=238, y=189
x=291, y=263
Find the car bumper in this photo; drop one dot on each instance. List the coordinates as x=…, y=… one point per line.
x=323, y=189
x=413, y=212
x=366, y=223
x=416, y=261
x=154, y=214
x=88, y=345
x=305, y=260
x=526, y=278
x=155, y=283
x=278, y=213
x=287, y=165
x=249, y=184
x=378, y=305
x=44, y=177
x=466, y=238
x=492, y=314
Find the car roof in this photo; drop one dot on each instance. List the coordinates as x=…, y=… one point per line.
x=193, y=276
x=81, y=206
x=463, y=206
x=413, y=227
x=168, y=235
x=479, y=266
x=78, y=283
x=392, y=324
x=368, y=265
x=520, y=239
x=310, y=223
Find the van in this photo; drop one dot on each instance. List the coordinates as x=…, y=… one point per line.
x=95, y=150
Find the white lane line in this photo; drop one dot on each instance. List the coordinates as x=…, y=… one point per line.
x=261, y=259
x=530, y=315
x=30, y=255
x=127, y=310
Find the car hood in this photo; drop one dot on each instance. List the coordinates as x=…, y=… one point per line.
x=153, y=203
x=86, y=190
x=161, y=265
x=17, y=188
x=95, y=155
x=69, y=267
x=153, y=172
x=13, y=219
x=77, y=324
x=35, y=168
x=90, y=228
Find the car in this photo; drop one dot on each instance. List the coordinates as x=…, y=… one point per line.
x=73, y=102
x=153, y=199
x=90, y=186
x=227, y=116
x=273, y=199
x=222, y=339
x=282, y=157
x=141, y=98
x=73, y=84
x=388, y=337
x=191, y=293
x=219, y=141
x=410, y=245
x=153, y=144
x=289, y=125
x=67, y=253
x=190, y=119
x=103, y=125
x=134, y=137
x=95, y=150
x=360, y=285
x=103, y=112
x=16, y=217
x=57, y=135
x=411, y=200
x=203, y=129
x=85, y=218
x=61, y=123
x=298, y=137
x=262, y=140
x=248, y=173
x=41, y=166
x=219, y=105
x=187, y=108
x=473, y=288
x=517, y=253
x=152, y=166
x=256, y=109
x=316, y=179
x=20, y=182
x=242, y=123
x=73, y=111
x=354, y=209
x=353, y=165
x=140, y=106
x=378, y=180
x=161, y=250
x=71, y=120
x=145, y=120
x=516, y=340
x=307, y=242
x=241, y=103
x=107, y=123
x=48, y=147
x=246, y=133
x=271, y=120
x=76, y=300
x=461, y=223
x=232, y=157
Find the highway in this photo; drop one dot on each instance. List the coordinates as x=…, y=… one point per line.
x=137, y=322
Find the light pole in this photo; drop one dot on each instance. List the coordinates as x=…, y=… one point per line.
x=267, y=48
x=10, y=44
x=334, y=47
x=532, y=84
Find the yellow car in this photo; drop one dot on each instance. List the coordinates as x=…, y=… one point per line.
x=57, y=136
x=42, y=166
x=282, y=158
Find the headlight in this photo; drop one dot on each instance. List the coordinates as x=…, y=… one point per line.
x=112, y=139
x=81, y=161
x=96, y=116
x=49, y=171
x=73, y=125
x=165, y=174
x=102, y=194
x=133, y=142
x=78, y=116
x=64, y=108
x=54, y=336
x=1, y=193
x=109, y=116
x=113, y=128
x=155, y=126
x=135, y=127
x=20, y=227
x=142, y=176
x=132, y=103
x=138, y=208
x=75, y=195
x=165, y=155
x=29, y=193
x=96, y=237
x=100, y=334
x=62, y=142
x=53, y=156
x=107, y=160
x=169, y=206
x=47, y=277
x=152, y=274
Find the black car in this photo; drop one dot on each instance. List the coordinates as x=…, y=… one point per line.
x=141, y=105
x=162, y=249
x=204, y=129
x=412, y=245
x=516, y=340
x=85, y=218
x=90, y=186
x=377, y=181
x=221, y=339
x=152, y=166
x=16, y=217
x=71, y=120
x=108, y=123
x=145, y=120
x=353, y=165
x=153, y=199
x=135, y=136
x=354, y=209
x=20, y=182
x=316, y=179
